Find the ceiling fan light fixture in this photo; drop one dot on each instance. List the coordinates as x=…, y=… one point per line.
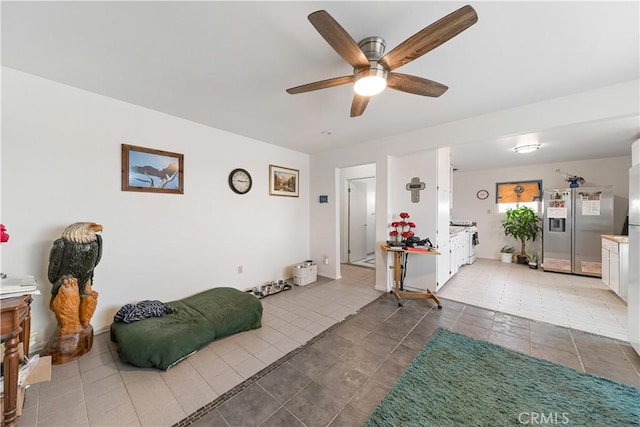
x=370, y=81
x=372, y=66
x=528, y=148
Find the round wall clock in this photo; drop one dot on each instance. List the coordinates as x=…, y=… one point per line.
x=240, y=181
x=482, y=194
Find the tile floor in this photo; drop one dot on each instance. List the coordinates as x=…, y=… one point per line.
x=369, y=261
x=340, y=378
x=336, y=379
x=577, y=302
x=97, y=389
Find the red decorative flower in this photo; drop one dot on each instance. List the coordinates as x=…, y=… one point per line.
x=402, y=228
x=4, y=237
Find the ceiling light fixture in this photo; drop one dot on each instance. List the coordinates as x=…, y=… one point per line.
x=529, y=148
x=370, y=81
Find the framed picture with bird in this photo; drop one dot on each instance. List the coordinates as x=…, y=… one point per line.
x=152, y=171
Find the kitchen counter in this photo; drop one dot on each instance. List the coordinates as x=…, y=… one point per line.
x=616, y=238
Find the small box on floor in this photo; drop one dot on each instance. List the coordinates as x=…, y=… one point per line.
x=305, y=273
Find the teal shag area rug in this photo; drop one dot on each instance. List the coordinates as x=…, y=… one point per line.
x=460, y=381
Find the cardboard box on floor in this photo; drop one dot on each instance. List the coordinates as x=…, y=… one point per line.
x=40, y=373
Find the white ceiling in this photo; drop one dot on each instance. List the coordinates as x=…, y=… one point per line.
x=227, y=65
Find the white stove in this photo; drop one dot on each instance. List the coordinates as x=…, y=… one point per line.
x=460, y=223
x=472, y=235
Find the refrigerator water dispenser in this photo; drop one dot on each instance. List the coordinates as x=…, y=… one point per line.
x=558, y=224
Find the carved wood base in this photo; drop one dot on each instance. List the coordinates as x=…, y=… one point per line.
x=64, y=348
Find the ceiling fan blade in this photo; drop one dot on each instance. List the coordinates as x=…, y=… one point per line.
x=323, y=84
x=358, y=105
x=415, y=85
x=430, y=37
x=338, y=39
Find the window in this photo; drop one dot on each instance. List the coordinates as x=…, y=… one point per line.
x=510, y=195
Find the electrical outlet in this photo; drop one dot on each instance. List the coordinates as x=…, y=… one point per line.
x=326, y=260
x=239, y=269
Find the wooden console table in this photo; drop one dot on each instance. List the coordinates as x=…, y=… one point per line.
x=15, y=328
x=398, y=277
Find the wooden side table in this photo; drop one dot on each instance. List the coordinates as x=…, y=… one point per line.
x=398, y=288
x=15, y=328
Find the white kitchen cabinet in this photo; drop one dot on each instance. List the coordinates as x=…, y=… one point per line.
x=444, y=272
x=463, y=253
x=605, y=264
x=458, y=251
x=453, y=257
x=615, y=263
x=614, y=272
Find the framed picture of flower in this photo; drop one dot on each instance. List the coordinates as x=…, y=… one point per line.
x=152, y=171
x=283, y=181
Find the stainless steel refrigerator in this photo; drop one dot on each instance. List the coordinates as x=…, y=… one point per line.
x=573, y=221
x=633, y=289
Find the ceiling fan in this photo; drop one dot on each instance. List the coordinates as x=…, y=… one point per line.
x=372, y=69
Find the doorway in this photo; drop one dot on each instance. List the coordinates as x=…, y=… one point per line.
x=357, y=231
x=359, y=222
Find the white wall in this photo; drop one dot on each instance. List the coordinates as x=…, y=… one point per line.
x=466, y=206
x=1, y=221
x=325, y=217
x=61, y=163
x=421, y=269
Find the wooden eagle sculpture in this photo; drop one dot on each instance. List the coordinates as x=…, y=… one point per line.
x=76, y=253
x=72, y=260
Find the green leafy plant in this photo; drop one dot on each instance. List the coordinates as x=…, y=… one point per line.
x=522, y=224
x=507, y=249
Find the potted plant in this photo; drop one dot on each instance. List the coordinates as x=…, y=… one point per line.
x=522, y=224
x=506, y=254
x=533, y=259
